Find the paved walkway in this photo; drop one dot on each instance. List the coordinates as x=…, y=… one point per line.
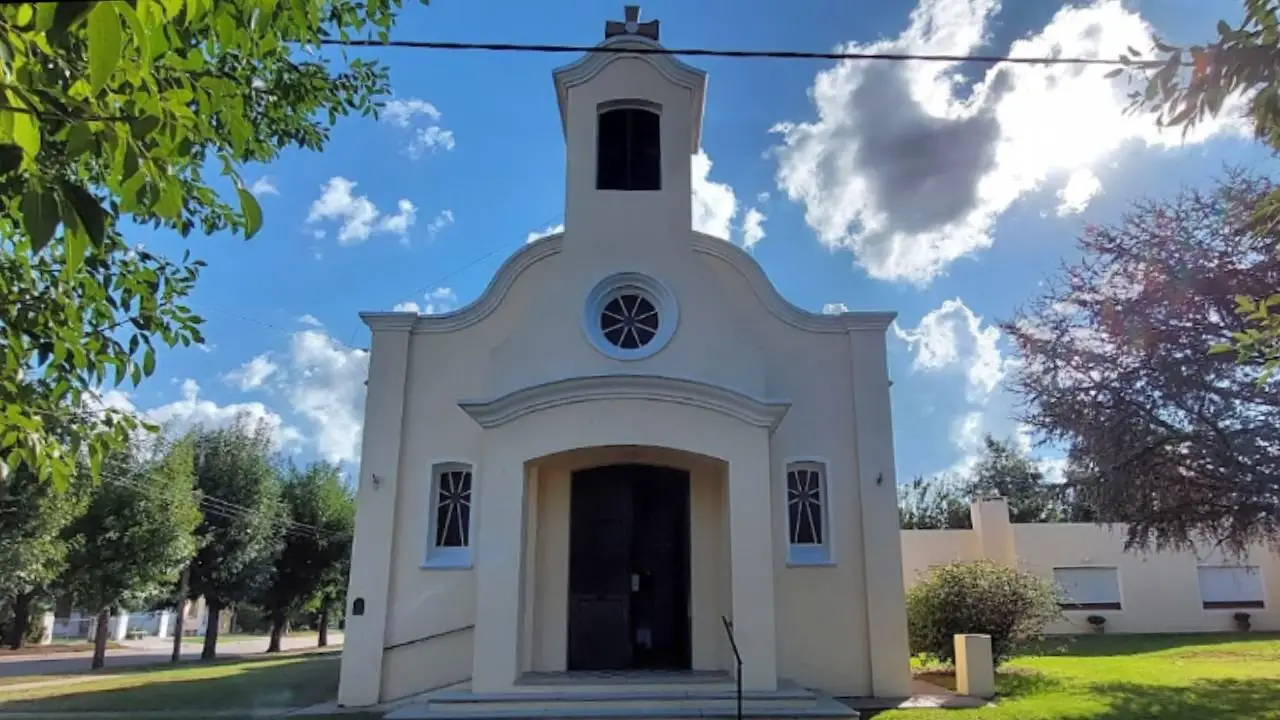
x=148, y=651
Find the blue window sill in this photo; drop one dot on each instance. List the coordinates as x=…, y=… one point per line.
x=448, y=559
x=809, y=556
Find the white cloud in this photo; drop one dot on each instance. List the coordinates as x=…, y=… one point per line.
x=834, y=308
x=1081, y=187
x=428, y=136
x=714, y=204
x=253, y=373
x=953, y=336
x=191, y=411
x=358, y=216
x=325, y=385
x=440, y=300
x=263, y=186
x=762, y=197
x=548, y=230
x=908, y=167
x=430, y=139
x=441, y=221
x=752, y=227
x=309, y=319
x=401, y=112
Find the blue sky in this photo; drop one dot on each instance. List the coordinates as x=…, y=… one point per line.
x=947, y=194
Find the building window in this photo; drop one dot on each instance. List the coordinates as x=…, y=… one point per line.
x=1088, y=588
x=629, y=316
x=628, y=155
x=1230, y=586
x=450, y=522
x=807, y=541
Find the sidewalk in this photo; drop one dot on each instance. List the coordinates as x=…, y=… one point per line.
x=139, y=653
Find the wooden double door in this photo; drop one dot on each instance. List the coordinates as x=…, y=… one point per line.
x=629, y=568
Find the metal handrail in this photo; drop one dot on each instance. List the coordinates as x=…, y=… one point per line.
x=733, y=643
x=429, y=637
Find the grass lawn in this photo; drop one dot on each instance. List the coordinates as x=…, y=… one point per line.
x=1132, y=677
x=193, y=686
x=224, y=637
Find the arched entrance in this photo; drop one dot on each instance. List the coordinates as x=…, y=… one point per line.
x=629, y=603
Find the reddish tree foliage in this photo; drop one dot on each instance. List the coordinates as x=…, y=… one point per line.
x=1181, y=444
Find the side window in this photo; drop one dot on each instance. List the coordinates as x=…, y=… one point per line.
x=808, y=541
x=450, y=516
x=628, y=149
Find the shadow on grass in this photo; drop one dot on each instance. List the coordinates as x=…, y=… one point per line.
x=1114, y=645
x=233, y=685
x=1236, y=699
x=1010, y=682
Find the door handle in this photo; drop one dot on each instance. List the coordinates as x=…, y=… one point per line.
x=635, y=582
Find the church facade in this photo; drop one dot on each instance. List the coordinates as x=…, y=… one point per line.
x=630, y=453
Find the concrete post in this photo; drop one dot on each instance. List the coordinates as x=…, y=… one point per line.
x=46, y=628
x=163, y=618
x=121, y=629
x=881, y=536
x=995, y=532
x=975, y=666
x=379, y=479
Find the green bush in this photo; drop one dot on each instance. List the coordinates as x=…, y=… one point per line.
x=1010, y=605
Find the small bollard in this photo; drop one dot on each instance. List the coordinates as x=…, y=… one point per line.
x=975, y=667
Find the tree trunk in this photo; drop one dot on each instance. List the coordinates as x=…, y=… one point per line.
x=323, y=639
x=278, y=618
x=21, y=620
x=179, y=622
x=210, y=651
x=100, y=638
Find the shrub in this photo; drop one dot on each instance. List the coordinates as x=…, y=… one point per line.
x=1010, y=605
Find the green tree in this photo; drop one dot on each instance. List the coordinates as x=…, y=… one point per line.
x=145, y=112
x=240, y=535
x=1185, y=86
x=321, y=510
x=938, y=504
x=33, y=551
x=1004, y=470
x=136, y=534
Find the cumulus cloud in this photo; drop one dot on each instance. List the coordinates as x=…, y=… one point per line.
x=253, y=373
x=440, y=300
x=192, y=410
x=1081, y=187
x=264, y=186
x=309, y=319
x=834, y=308
x=714, y=204
x=953, y=336
x=752, y=227
x=325, y=386
x=548, y=230
x=441, y=221
x=908, y=168
x=357, y=216
x=422, y=119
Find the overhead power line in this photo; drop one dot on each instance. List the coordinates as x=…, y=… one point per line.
x=767, y=54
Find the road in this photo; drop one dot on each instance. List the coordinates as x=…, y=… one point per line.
x=150, y=651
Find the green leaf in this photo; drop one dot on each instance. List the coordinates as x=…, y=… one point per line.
x=10, y=158
x=26, y=133
x=39, y=217
x=149, y=361
x=76, y=244
x=87, y=209
x=1223, y=28
x=252, y=213
x=104, y=44
x=1114, y=73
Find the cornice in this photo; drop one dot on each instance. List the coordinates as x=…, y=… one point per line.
x=483, y=306
x=777, y=305
x=501, y=410
x=675, y=71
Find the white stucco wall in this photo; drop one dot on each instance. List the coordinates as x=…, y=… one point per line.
x=827, y=626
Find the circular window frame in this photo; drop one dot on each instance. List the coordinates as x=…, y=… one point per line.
x=630, y=283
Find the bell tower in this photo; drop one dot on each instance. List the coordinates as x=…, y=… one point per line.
x=632, y=119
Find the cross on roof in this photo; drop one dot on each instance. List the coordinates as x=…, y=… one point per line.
x=631, y=25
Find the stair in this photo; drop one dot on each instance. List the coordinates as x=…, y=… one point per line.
x=671, y=701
